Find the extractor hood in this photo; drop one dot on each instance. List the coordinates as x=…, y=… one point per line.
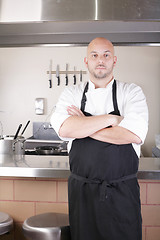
x=40, y=22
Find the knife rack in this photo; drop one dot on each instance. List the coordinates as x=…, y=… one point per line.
x=68, y=72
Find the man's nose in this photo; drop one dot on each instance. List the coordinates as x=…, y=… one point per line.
x=101, y=59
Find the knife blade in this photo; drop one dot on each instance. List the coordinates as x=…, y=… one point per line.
x=80, y=75
x=50, y=74
x=57, y=75
x=74, y=76
x=66, y=74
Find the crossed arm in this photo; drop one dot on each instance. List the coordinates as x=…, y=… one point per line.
x=80, y=126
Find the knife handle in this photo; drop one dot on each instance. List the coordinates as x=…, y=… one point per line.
x=25, y=127
x=58, y=80
x=50, y=83
x=66, y=80
x=16, y=135
x=74, y=77
x=81, y=77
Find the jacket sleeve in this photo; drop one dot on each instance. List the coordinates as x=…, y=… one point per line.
x=61, y=114
x=135, y=112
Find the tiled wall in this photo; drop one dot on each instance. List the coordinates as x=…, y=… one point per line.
x=25, y=197
x=150, y=200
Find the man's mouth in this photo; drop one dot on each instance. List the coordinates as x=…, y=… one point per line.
x=100, y=67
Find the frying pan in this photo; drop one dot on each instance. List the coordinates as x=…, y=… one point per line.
x=48, y=150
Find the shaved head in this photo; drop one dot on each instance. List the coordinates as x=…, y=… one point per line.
x=100, y=41
x=100, y=61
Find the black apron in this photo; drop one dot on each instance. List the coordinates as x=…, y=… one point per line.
x=104, y=199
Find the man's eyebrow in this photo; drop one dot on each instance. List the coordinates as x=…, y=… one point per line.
x=93, y=52
x=106, y=51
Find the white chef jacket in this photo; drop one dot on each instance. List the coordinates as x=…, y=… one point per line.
x=131, y=104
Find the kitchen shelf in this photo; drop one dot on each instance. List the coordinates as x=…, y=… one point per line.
x=67, y=72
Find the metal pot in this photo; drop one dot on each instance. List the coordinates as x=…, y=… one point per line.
x=48, y=150
x=9, y=145
x=6, y=143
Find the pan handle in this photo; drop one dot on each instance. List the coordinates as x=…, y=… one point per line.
x=20, y=125
x=25, y=127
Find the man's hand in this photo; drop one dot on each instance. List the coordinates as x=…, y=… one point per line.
x=74, y=111
x=116, y=135
x=116, y=120
x=80, y=126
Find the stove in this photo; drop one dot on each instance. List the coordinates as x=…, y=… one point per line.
x=44, y=136
x=34, y=152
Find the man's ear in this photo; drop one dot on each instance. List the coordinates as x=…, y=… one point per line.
x=115, y=60
x=86, y=61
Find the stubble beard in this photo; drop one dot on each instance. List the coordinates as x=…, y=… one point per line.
x=100, y=75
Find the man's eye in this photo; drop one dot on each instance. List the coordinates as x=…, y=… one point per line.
x=106, y=55
x=94, y=55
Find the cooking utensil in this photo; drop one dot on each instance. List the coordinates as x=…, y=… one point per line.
x=80, y=75
x=57, y=75
x=19, y=127
x=18, y=146
x=1, y=130
x=9, y=145
x=74, y=76
x=25, y=127
x=48, y=150
x=66, y=74
x=50, y=74
x=6, y=145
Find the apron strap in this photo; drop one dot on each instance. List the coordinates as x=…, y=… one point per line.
x=103, y=183
x=114, y=97
x=84, y=99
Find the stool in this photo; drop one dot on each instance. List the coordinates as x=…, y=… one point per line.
x=6, y=223
x=47, y=226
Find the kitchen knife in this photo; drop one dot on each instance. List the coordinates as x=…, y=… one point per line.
x=57, y=75
x=81, y=76
x=19, y=127
x=66, y=74
x=25, y=127
x=50, y=74
x=74, y=76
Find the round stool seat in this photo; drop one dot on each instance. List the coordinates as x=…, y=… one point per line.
x=6, y=223
x=47, y=226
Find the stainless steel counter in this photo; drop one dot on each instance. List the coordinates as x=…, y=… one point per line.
x=34, y=166
x=58, y=167
x=149, y=168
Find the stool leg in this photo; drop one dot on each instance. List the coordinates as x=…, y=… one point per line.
x=65, y=233
x=7, y=236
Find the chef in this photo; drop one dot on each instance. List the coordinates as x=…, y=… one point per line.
x=105, y=122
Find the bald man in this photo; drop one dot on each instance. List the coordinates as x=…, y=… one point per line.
x=105, y=122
